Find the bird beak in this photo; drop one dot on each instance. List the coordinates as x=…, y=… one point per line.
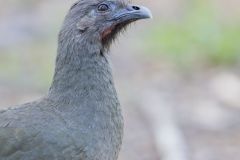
x=132, y=13
x=122, y=18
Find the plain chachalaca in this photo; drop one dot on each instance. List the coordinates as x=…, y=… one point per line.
x=80, y=117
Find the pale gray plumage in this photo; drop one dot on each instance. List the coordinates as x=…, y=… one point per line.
x=80, y=117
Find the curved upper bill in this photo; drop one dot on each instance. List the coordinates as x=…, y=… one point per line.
x=132, y=13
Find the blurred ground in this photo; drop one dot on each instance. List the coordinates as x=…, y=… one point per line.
x=177, y=77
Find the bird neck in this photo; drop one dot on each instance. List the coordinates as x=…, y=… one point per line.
x=82, y=73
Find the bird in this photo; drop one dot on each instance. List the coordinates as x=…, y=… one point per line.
x=80, y=116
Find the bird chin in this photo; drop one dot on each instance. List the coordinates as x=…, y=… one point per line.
x=110, y=33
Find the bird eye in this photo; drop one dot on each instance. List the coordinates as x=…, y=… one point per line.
x=103, y=7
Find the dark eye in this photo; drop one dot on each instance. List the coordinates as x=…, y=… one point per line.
x=103, y=7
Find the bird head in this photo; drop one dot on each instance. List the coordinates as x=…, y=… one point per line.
x=100, y=21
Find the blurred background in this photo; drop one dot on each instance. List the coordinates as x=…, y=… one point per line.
x=177, y=75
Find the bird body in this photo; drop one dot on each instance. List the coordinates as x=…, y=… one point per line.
x=37, y=131
x=81, y=108
x=80, y=117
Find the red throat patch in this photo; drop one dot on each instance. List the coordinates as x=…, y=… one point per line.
x=107, y=32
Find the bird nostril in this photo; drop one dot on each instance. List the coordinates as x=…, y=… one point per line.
x=136, y=7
